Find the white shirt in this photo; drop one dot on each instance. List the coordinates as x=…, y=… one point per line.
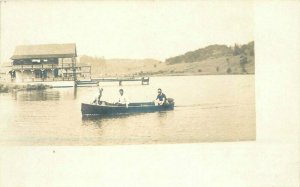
x=123, y=99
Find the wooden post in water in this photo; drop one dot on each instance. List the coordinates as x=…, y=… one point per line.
x=32, y=72
x=62, y=68
x=52, y=69
x=145, y=81
x=74, y=71
x=42, y=72
x=22, y=70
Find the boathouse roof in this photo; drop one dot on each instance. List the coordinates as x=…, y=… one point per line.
x=45, y=51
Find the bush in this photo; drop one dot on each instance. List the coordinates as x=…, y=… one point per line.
x=3, y=88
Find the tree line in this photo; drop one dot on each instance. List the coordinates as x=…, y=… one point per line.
x=213, y=51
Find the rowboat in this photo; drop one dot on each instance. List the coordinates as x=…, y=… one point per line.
x=110, y=109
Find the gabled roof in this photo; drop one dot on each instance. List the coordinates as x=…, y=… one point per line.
x=45, y=51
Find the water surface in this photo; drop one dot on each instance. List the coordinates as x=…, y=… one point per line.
x=208, y=108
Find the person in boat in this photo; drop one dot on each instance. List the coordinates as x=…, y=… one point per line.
x=161, y=98
x=97, y=99
x=123, y=100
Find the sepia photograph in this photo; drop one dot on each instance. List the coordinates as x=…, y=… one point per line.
x=128, y=72
x=149, y=93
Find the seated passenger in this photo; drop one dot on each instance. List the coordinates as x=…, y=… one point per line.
x=123, y=100
x=161, y=98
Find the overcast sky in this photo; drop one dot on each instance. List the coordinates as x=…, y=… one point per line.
x=148, y=29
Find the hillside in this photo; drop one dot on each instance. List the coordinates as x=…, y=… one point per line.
x=213, y=51
x=118, y=67
x=212, y=60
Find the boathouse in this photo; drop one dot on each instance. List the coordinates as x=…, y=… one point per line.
x=47, y=62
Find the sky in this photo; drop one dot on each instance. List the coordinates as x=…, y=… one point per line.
x=126, y=29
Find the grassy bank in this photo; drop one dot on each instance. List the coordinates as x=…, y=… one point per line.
x=9, y=87
x=210, y=60
x=212, y=66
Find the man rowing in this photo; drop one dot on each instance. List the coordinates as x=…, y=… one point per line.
x=97, y=99
x=161, y=98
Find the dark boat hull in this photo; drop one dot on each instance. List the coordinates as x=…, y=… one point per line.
x=92, y=109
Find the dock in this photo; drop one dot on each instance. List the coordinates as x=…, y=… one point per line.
x=96, y=81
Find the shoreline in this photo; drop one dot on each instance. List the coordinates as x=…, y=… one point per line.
x=14, y=87
x=6, y=87
x=196, y=74
x=178, y=74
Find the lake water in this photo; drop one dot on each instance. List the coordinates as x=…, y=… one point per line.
x=208, y=109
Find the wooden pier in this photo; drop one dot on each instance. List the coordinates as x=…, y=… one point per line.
x=96, y=81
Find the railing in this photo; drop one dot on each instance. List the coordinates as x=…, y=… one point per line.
x=48, y=79
x=66, y=71
x=44, y=66
x=48, y=66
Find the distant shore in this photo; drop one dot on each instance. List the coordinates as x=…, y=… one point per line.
x=150, y=67
x=174, y=74
x=6, y=87
x=189, y=74
x=11, y=87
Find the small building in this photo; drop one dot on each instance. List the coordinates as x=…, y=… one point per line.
x=47, y=62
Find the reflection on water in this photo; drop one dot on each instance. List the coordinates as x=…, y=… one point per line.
x=37, y=95
x=207, y=108
x=75, y=92
x=87, y=118
x=97, y=119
